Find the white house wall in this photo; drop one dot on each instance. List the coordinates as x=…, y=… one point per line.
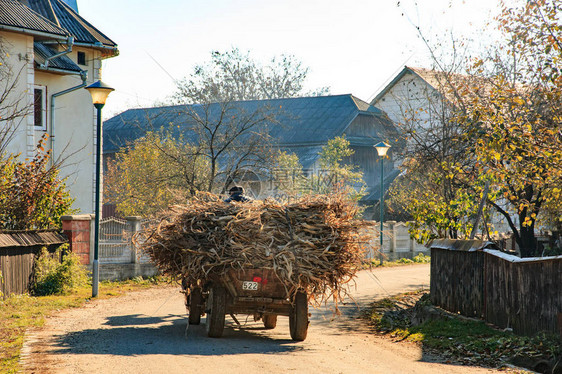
x=20, y=61
x=75, y=117
x=75, y=130
x=409, y=94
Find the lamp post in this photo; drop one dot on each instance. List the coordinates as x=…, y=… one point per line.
x=382, y=148
x=99, y=92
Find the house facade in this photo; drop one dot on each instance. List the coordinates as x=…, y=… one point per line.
x=301, y=125
x=49, y=54
x=416, y=100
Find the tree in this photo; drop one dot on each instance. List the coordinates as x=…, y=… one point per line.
x=32, y=196
x=507, y=112
x=438, y=188
x=334, y=174
x=516, y=122
x=233, y=76
x=155, y=172
x=232, y=139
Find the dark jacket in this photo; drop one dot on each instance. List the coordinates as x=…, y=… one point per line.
x=238, y=196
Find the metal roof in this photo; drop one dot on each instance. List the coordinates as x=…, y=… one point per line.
x=31, y=238
x=15, y=15
x=62, y=62
x=63, y=15
x=300, y=123
x=463, y=245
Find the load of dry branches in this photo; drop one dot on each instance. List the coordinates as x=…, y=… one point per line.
x=313, y=244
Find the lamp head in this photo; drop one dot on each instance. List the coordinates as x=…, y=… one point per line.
x=99, y=92
x=382, y=148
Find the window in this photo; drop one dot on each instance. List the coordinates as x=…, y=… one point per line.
x=82, y=58
x=39, y=108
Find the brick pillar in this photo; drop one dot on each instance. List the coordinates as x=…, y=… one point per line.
x=77, y=228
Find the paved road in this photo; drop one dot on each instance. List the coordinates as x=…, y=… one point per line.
x=146, y=332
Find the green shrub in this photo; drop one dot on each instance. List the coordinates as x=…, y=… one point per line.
x=55, y=278
x=405, y=260
x=422, y=259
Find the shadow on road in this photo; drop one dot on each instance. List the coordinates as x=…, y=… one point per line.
x=136, y=320
x=135, y=335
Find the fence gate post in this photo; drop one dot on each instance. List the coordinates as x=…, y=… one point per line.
x=79, y=231
x=134, y=227
x=392, y=237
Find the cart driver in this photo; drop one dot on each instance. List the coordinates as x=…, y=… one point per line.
x=237, y=194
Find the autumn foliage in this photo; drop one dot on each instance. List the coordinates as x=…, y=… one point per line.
x=32, y=195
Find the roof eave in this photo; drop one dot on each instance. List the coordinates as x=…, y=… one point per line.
x=43, y=34
x=57, y=70
x=387, y=87
x=112, y=51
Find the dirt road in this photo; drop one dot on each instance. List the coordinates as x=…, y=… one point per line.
x=146, y=332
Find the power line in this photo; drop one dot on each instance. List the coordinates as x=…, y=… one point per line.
x=161, y=67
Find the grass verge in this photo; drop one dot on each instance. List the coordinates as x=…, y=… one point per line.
x=461, y=340
x=20, y=312
x=420, y=258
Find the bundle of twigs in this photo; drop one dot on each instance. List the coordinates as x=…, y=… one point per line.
x=313, y=244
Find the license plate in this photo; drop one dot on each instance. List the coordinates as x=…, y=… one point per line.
x=250, y=286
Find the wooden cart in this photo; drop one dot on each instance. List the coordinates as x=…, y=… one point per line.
x=257, y=292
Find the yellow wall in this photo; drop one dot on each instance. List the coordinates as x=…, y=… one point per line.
x=74, y=118
x=18, y=68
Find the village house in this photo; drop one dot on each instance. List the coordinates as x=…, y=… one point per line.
x=301, y=125
x=418, y=101
x=49, y=54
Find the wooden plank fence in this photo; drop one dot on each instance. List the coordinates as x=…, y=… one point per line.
x=18, y=250
x=505, y=290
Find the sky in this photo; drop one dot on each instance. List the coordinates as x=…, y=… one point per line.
x=352, y=46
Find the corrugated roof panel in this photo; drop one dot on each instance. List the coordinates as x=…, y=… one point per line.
x=302, y=120
x=31, y=238
x=15, y=14
x=60, y=13
x=42, y=52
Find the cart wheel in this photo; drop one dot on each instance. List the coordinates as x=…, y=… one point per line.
x=216, y=313
x=184, y=287
x=195, y=301
x=298, y=317
x=270, y=321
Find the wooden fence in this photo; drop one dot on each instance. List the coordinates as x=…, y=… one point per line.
x=18, y=251
x=505, y=290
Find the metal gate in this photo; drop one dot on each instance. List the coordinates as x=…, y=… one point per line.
x=115, y=244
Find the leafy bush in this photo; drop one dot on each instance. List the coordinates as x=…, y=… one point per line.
x=404, y=260
x=54, y=277
x=422, y=259
x=32, y=194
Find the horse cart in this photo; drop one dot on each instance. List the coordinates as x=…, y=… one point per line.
x=257, y=292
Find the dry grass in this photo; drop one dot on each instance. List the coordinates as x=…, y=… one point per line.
x=313, y=244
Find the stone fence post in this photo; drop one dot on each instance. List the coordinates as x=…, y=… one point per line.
x=135, y=226
x=392, y=236
x=79, y=230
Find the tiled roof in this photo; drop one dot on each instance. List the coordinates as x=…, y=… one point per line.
x=62, y=62
x=63, y=15
x=302, y=124
x=14, y=14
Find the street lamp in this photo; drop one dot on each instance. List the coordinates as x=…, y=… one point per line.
x=99, y=92
x=382, y=148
